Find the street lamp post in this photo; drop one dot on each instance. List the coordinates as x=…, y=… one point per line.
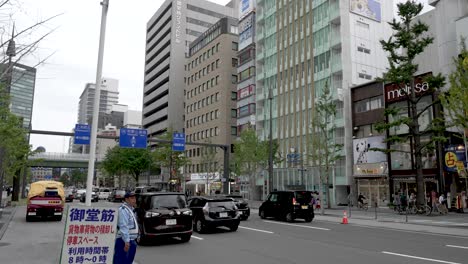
x=97, y=97
x=270, y=157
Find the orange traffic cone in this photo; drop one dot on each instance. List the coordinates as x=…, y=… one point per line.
x=345, y=218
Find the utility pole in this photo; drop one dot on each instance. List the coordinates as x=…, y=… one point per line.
x=97, y=97
x=270, y=156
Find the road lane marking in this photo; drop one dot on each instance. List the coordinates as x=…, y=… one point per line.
x=258, y=230
x=304, y=226
x=199, y=238
x=421, y=258
x=453, y=246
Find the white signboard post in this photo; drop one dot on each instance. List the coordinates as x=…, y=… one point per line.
x=89, y=235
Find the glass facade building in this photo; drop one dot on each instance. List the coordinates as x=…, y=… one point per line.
x=23, y=81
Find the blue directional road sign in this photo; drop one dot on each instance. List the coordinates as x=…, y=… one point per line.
x=178, y=142
x=133, y=138
x=82, y=134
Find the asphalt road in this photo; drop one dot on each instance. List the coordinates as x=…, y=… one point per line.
x=256, y=241
x=270, y=241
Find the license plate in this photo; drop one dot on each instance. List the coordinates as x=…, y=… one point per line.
x=171, y=221
x=32, y=213
x=305, y=207
x=240, y=212
x=223, y=215
x=57, y=213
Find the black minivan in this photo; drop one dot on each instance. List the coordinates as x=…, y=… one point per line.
x=288, y=205
x=163, y=214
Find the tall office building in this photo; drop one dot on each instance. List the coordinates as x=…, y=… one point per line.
x=23, y=82
x=211, y=95
x=301, y=47
x=169, y=32
x=109, y=97
x=246, y=68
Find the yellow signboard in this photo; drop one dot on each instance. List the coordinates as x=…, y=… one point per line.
x=450, y=159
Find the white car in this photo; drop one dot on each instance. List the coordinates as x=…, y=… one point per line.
x=104, y=193
x=79, y=193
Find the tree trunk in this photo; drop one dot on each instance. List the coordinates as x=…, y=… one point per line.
x=414, y=129
x=327, y=187
x=16, y=186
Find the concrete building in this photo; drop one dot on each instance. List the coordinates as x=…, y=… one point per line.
x=301, y=47
x=370, y=168
x=132, y=119
x=169, y=32
x=210, y=104
x=246, y=69
x=23, y=82
x=109, y=97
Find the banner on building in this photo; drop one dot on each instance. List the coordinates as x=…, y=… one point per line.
x=363, y=153
x=367, y=8
x=89, y=235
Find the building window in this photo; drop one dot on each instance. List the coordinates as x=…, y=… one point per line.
x=233, y=113
x=233, y=79
x=217, y=47
x=368, y=104
x=365, y=76
x=235, y=46
x=234, y=96
x=234, y=62
x=217, y=79
x=365, y=50
x=234, y=131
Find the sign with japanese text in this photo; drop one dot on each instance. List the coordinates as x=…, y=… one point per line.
x=82, y=134
x=89, y=235
x=455, y=158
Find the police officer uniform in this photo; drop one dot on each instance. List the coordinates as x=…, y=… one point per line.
x=127, y=233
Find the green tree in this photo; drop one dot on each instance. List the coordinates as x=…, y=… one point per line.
x=455, y=101
x=65, y=179
x=165, y=157
x=78, y=177
x=129, y=160
x=251, y=157
x=408, y=41
x=323, y=150
x=14, y=146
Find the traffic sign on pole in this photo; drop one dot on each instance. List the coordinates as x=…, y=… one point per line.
x=133, y=138
x=178, y=142
x=82, y=134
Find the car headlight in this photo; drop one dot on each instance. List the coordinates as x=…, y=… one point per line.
x=151, y=214
x=187, y=213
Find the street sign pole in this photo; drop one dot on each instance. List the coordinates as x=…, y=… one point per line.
x=97, y=97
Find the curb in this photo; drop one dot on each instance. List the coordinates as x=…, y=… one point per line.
x=7, y=222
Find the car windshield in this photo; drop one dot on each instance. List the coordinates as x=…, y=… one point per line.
x=174, y=201
x=224, y=204
x=303, y=197
x=120, y=192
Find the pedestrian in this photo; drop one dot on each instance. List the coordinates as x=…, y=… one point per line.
x=127, y=234
x=8, y=191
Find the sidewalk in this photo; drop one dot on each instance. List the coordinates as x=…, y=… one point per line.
x=6, y=214
x=387, y=215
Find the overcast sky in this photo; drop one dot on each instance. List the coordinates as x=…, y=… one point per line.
x=74, y=43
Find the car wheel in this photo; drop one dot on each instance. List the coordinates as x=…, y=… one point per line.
x=198, y=226
x=185, y=238
x=308, y=219
x=234, y=228
x=289, y=217
x=245, y=218
x=262, y=214
x=29, y=218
